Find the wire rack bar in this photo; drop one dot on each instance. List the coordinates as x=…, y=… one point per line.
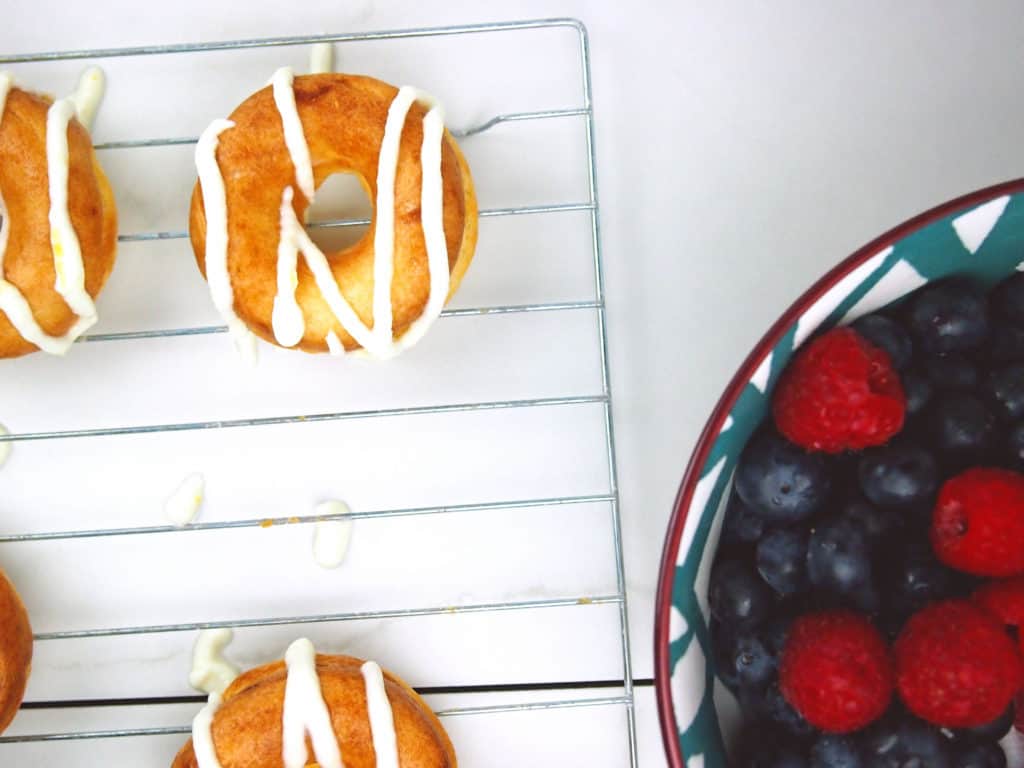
x=521, y=210
x=414, y=410
x=273, y=42
x=508, y=117
x=391, y=613
x=267, y=522
x=181, y=730
x=206, y=330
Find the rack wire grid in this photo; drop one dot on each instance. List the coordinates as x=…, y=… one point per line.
x=602, y=399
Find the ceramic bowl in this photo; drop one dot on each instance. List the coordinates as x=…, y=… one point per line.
x=980, y=235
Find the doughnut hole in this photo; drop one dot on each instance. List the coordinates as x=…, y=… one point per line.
x=340, y=197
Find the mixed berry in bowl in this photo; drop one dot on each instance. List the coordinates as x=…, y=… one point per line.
x=868, y=587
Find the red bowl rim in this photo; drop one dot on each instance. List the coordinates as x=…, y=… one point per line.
x=663, y=601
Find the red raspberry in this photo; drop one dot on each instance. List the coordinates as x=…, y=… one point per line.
x=836, y=671
x=1003, y=599
x=978, y=522
x=839, y=393
x=956, y=666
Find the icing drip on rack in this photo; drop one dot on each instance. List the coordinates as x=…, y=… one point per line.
x=211, y=672
x=67, y=252
x=331, y=538
x=182, y=506
x=5, y=447
x=306, y=712
x=287, y=321
x=88, y=95
x=382, y=719
x=321, y=59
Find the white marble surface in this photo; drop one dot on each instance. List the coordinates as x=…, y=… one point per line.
x=743, y=147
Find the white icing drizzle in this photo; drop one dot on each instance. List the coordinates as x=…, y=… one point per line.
x=334, y=345
x=202, y=734
x=215, y=203
x=331, y=538
x=211, y=672
x=88, y=95
x=305, y=711
x=5, y=447
x=287, y=321
x=382, y=720
x=321, y=58
x=284, y=98
x=182, y=505
x=67, y=253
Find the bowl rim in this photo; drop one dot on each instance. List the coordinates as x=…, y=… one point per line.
x=714, y=424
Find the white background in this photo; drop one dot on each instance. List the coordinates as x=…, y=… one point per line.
x=743, y=148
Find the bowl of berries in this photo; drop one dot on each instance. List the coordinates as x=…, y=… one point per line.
x=842, y=584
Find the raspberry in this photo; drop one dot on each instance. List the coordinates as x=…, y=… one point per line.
x=839, y=393
x=978, y=522
x=956, y=666
x=1003, y=599
x=836, y=671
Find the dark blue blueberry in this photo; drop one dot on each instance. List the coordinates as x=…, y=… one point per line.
x=754, y=662
x=832, y=750
x=963, y=428
x=981, y=754
x=780, y=480
x=1015, y=444
x=766, y=703
x=1008, y=299
x=918, y=578
x=889, y=336
x=787, y=756
x=897, y=474
x=738, y=597
x=782, y=560
x=839, y=561
x=1006, y=344
x=879, y=524
x=763, y=747
x=951, y=371
x=1005, y=386
x=723, y=643
x=742, y=525
x=949, y=316
x=993, y=731
x=902, y=741
x=918, y=391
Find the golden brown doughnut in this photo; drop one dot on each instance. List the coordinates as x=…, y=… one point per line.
x=29, y=262
x=15, y=651
x=247, y=728
x=343, y=120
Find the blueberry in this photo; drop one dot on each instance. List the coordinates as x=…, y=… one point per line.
x=951, y=371
x=781, y=481
x=766, y=703
x=788, y=756
x=754, y=662
x=839, y=560
x=782, y=560
x=918, y=578
x=962, y=427
x=1008, y=299
x=918, y=391
x=1006, y=344
x=737, y=595
x=878, y=523
x=897, y=474
x=902, y=741
x=832, y=750
x=889, y=336
x=764, y=747
x=1005, y=385
x=993, y=731
x=742, y=525
x=1015, y=444
x=723, y=644
x=951, y=315
x=981, y=754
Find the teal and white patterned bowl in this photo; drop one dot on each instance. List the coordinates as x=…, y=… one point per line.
x=981, y=235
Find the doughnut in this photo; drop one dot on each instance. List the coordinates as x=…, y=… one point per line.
x=15, y=651
x=354, y=714
x=258, y=173
x=58, y=233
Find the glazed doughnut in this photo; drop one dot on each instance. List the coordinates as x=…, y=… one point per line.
x=258, y=173
x=58, y=233
x=15, y=651
x=354, y=714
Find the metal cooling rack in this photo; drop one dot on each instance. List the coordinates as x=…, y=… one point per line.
x=597, y=305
